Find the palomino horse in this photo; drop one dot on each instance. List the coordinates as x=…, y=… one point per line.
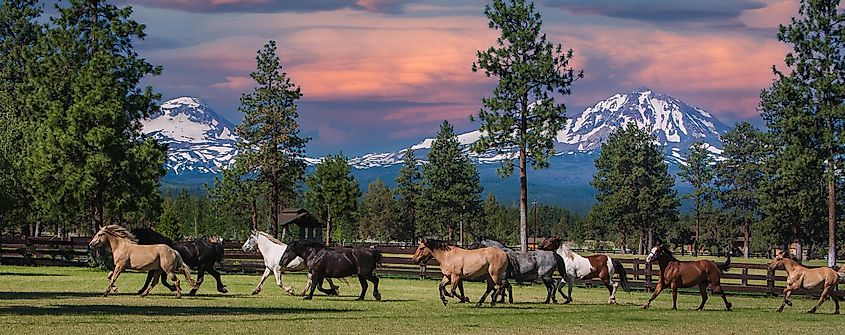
x=339, y=262
x=799, y=276
x=527, y=266
x=675, y=273
x=272, y=250
x=127, y=254
x=457, y=264
x=201, y=254
x=594, y=266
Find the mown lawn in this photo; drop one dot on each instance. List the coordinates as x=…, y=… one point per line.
x=49, y=300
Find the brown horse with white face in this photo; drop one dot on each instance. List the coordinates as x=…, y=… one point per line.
x=799, y=276
x=457, y=264
x=127, y=254
x=681, y=274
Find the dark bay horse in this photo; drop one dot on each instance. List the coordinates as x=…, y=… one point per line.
x=458, y=264
x=675, y=274
x=527, y=266
x=200, y=254
x=324, y=262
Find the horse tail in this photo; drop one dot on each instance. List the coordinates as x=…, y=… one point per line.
x=726, y=265
x=623, y=276
x=218, y=252
x=376, y=256
x=181, y=266
x=513, y=267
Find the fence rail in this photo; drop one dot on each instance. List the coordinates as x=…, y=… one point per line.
x=396, y=261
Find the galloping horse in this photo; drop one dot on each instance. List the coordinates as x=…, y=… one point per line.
x=272, y=250
x=594, y=266
x=201, y=254
x=675, y=273
x=527, y=266
x=127, y=254
x=457, y=264
x=799, y=276
x=325, y=263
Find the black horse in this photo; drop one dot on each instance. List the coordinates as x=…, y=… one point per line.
x=324, y=262
x=200, y=254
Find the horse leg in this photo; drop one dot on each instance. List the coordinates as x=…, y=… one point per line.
x=261, y=281
x=464, y=298
x=175, y=281
x=200, y=278
x=674, y=286
x=153, y=283
x=490, y=287
x=570, y=280
x=835, y=299
x=787, y=291
x=315, y=280
x=455, y=280
x=113, y=278
x=220, y=287
x=277, y=273
x=442, y=289
x=718, y=290
x=703, y=290
x=657, y=290
x=611, y=290
x=364, y=287
x=822, y=298
x=333, y=290
x=143, y=289
x=507, y=290
x=376, y=294
x=164, y=282
x=550, y=290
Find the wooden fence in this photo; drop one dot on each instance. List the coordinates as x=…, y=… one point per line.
x=396, y=261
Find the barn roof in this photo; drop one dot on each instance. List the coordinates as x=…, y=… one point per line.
x=299, y=217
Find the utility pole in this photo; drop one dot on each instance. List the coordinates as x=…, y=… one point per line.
x=462, y=224
x=536, y=226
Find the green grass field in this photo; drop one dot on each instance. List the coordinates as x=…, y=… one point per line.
x=50, y=300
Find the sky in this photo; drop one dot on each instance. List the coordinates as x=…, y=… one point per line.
x=380, y=75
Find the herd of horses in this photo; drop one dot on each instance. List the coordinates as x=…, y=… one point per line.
x=486, y=260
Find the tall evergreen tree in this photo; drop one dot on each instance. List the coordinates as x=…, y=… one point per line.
x=91, y=152
x=272, y=147
x=817, y=63
x=739, y=175
x=451, y=188
x=332, y=197
x=698, y=172
x=633, y=187
x=523, y=112
x=408, y=189
x=379, y=215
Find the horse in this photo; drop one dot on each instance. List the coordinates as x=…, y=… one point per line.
x=200, y=254
x=594, y=266
x=799, y=276
x=324, y=263
x=128, y=254
x=457, y=264
x=272, y=250
x=527, y=266
x=675, y=273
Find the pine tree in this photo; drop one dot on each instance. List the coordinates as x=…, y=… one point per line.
x=408, y=189
x=523, y=112
x=332, y=197
x=633, y=187
x=237, y=193
x=379, y=215
x=698, y=172
x=817, y=63
x=451, y=188
x=272, y=147
x=90, y=152
x=169, y=224
x=739, y=176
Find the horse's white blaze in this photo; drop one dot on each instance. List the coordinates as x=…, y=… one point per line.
x=651, y=255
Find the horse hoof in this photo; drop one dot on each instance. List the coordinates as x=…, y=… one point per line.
x=644, y=306
x=255, y=292
x=222, y=290
x=478, y=305
x=812, y=311
x=306, y=298
x=567, y=302
x=377, y=296
x=359, y=299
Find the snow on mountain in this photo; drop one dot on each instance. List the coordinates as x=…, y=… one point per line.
x=198, y=139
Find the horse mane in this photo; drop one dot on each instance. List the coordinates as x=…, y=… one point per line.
x=438, y=244
x=669, y=254
x=554, y=243
x=271, y=238
x=118, y=231
x=308, y=244
x=150, y=236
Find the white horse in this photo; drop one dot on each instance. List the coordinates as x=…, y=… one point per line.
x=271, y=250
x=593, y=266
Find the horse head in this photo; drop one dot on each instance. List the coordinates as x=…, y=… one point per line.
x=777, y=261
x=251, y=242
x=100, y=238
x=423, y=253
x=550, y=244
x=656, y=252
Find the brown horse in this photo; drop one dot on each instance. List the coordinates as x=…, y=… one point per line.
x=675, y=274
x=594, y=266
x=127, y=254
x=457, y=264
x=799, y=276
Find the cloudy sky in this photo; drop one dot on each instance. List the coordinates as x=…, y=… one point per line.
x=381, y=74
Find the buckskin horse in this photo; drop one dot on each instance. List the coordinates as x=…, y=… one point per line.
x=324, y=263
x=128, y=254
x=799, y=276
x=457, y=264
x=594, y=266
x=200, y=254
x=681, y=274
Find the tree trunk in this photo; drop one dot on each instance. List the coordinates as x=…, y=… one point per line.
x=254, y=214
x=523, y=202
x=831, y=215
x=650, y=237
x=96, y=213
x=624, y=241
x=799, y=251
x=697, y=230
x=328, y=226
x=274, y=204
x=746, y=239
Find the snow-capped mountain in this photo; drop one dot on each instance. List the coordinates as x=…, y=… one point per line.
x=198, y=139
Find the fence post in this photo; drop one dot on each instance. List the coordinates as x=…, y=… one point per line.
x=648, y=277
x=422, y=270
x=636, y=269
x=744, y=279
x=770, y=282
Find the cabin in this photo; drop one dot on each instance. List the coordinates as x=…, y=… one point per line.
x=309, y=227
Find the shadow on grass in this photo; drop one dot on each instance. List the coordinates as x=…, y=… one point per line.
x=161, y=310
x=46, y=295
x=27, y=274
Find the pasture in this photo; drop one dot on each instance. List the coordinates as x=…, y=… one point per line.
x=66, y=300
